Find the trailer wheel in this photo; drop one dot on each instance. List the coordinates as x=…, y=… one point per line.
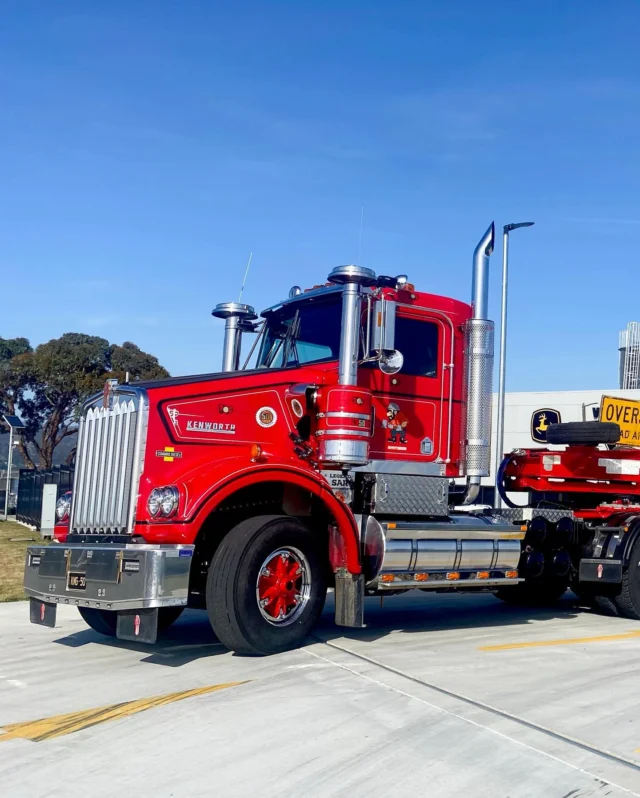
x=105, y=622
x=266, y=585
x=628, y=600
x=587, y=433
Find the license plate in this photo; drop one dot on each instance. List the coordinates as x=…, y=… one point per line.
x=76, y=581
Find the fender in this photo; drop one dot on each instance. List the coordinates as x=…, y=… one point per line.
x=254, y=474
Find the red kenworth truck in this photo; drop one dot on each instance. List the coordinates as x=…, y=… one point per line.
x=330, y=464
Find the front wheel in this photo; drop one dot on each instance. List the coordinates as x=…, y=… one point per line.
x=102, y=621
x=266, y=585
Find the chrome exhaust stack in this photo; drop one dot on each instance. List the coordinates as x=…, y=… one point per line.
x=479, y=372
x=352, y=279
x=237, y=318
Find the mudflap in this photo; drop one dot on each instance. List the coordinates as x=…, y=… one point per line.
x=42, y=613
x=349, y=599
x=139, y=626
x=607, y=571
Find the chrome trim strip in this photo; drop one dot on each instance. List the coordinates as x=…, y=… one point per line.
x=345, y=414
x=443, y=584
x=138, y=459
x=401, y=467
x=359, y=433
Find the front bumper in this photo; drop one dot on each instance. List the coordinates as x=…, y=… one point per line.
x=109, y=577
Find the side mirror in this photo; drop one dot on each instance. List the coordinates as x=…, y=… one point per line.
x=384, y=325
x=391, y=361
x=384, y=334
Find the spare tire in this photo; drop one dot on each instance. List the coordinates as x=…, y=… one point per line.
x=587, y=433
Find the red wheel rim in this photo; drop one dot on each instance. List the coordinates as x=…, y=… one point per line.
x=283, y=586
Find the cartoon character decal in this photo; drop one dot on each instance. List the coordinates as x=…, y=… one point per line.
x=396, y=422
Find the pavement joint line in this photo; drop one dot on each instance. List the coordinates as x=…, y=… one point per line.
x=568, y=641
x=599, y=752
x=60, y=725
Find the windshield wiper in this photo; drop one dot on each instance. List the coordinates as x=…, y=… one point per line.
x=290, y=338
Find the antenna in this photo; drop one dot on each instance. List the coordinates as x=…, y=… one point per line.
x=246, y=272
x=360, y=241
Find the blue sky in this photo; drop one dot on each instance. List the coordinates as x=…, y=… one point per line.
x=147, y=147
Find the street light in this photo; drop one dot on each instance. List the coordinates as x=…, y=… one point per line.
x=13, y=422
x=503, y=350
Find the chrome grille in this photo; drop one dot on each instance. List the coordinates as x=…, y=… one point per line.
x=108, y=465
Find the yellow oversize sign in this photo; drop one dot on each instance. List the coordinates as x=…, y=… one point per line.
x=626, y=413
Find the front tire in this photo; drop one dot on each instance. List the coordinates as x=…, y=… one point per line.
x=267, y=585
x=104, y=622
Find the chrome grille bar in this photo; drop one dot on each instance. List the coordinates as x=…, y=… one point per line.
x=109, y=463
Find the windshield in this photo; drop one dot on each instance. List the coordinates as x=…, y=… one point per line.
x=302, y=333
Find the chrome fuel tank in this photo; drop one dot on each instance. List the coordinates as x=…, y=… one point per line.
x=462, y=551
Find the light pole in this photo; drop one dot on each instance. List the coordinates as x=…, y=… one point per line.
x=13, y=422
x=497, y=503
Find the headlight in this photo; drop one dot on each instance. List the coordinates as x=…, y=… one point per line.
x=169, y=502
x=63, y=507
x=163, y=501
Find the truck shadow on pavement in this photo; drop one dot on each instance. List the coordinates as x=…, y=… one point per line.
x=191, y=637
x=414, y=613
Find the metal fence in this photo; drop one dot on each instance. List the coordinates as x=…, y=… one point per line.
x=30, y=483
x=13, y=490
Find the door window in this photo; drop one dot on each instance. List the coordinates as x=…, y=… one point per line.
x=418, y=342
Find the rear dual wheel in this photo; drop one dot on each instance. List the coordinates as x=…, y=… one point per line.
x=266, y=585
x=626, y=602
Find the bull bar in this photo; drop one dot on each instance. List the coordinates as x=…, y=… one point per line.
x=109, y=576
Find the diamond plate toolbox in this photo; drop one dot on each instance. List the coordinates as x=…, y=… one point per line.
x=401, y=494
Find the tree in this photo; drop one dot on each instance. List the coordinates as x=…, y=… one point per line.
x=51, y=383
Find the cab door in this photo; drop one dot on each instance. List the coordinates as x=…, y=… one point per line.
x=412, y=408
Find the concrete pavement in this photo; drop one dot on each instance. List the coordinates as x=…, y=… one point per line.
x=439, y=695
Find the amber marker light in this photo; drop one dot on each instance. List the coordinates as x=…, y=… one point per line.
x=255, y=452
x=387, y=578
x=453, y=576
x=483, y=574
x=422, y=577
x=511, y=574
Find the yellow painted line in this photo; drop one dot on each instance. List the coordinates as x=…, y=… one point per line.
x=569, y=641
x=59, y=725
